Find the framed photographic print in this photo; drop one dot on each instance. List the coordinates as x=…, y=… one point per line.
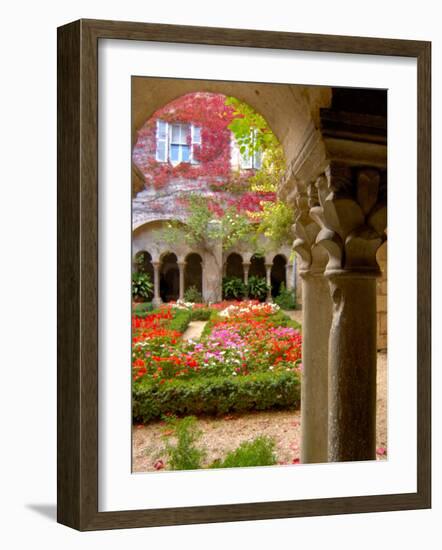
x=225, y=301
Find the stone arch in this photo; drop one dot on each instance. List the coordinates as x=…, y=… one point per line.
x=193, y=271
x=278, y=273
x=292, y=111
x=234, y=265
x=169, y=277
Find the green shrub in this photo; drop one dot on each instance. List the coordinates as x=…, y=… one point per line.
x=286, y=298
x=193, y=295
x=234, y=288
x=184, y=454
x=142, y=286
x=142, y=309
x=258, y=452
x=181, y=319
x=282, y=319
x=201, y=314
x=215, y=395
x=257, y=288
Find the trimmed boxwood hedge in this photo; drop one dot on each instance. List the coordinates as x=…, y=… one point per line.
x=216, y=395
x=201, y=314
x=180, y=321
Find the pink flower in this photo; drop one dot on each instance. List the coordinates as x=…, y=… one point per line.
x=158, y=464
x=296, y=461
x=381, y=451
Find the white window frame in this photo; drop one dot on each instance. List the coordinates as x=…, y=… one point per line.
x=194, y=140
x=250, y=162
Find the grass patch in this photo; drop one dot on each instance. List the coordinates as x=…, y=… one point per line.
x=259, y=452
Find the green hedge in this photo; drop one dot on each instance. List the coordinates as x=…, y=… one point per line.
x=201, y=314
x=181, y=319
x=143, y=309
x=216, y=395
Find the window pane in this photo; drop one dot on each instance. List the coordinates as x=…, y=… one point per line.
x=176, y=130
x=174, y=152
x=185, y=133
x=246, y=161
x=185, y=151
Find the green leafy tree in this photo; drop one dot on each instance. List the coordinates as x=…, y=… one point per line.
x=276, y=223
x=203, y=225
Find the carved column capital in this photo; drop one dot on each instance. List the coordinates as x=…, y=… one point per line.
x=306, y=230
x=352, y=216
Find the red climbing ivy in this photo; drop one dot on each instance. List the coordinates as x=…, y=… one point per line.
x=213, y=174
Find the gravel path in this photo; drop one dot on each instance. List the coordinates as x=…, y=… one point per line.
x=220, y=435
x=194, y=330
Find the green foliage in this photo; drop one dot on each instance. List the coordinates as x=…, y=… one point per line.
x=193, y=295
x=236, y=227
x=276, y=222
x=258, y=452
x=216, y=395
x=181, y=319
x=184, y=454
x=234, y=288
x=282, y=319
x=250, y=129
x=142, y=286
x=286, y=298
x=203, y=226
x=143, y=309
x=253, y=135
x=201, y=314
x=257, y=287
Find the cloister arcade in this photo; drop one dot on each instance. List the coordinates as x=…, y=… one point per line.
x=176, y=269
x=335, y=145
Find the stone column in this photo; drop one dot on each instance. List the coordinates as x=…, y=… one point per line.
x=353, y=216
x=316, y=309
x=156, y=284
x=181, y=267
x=352, y=367
x=314, y=386
x=246, y=267
x=288, y=276
x=269, y=281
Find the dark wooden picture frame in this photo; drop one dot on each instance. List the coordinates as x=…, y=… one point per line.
x=77, y=226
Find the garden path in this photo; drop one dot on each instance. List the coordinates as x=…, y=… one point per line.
x=194, y=330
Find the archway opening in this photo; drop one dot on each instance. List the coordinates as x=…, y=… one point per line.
x=193, y=272
x=257, y=266
x=278, y=274
x=169, y=278
x=234, y=267
x=143, y=263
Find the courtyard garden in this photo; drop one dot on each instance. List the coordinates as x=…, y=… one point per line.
x=216, y=385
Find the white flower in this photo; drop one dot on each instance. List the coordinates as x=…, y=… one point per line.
x=234, y=373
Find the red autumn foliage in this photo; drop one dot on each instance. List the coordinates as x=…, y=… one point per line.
x=212, y=174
